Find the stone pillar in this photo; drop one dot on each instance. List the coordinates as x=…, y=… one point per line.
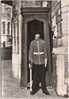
x=20, y=39
x=61, y=87
x=49, y=54
x=24, y=54
x=0, y=23
x=65, y=31
x=62, y=54
x=16, y=46
x=47, y=38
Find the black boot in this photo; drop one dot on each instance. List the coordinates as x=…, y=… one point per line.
x=46, y=92
x=32, y=92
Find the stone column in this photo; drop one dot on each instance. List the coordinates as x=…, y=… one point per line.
x=20, y=39
x=0, y=23
x=65, y=31
x=16, y=46
x=61, y=87
x=24, y=54
x=47, y=37
x=62, y=54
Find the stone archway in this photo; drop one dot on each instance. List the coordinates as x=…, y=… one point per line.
x=24, y=46
x=33, y=27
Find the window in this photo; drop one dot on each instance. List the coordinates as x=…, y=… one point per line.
x=8, y=28
x=14, y=34
x=4, y=44
x=3, y=27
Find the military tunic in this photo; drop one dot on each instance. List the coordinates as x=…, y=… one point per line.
x=37, y=52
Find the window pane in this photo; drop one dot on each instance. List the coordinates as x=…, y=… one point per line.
x=3, y=27
x=8, y=28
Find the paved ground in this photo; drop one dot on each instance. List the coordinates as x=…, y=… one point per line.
x=11, y=88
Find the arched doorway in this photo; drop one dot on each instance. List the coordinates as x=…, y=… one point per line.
x=34, y=26
x=31, y=25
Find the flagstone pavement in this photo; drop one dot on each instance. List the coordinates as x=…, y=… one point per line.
x=11, y=88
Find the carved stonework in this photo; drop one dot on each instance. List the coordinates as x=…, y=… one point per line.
x=15, y=13
x=15, y=26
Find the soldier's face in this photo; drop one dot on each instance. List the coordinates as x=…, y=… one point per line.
x=37, y=36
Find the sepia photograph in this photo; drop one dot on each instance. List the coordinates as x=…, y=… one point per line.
x=34, y=49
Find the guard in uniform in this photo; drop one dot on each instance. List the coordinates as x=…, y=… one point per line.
x=38, y=62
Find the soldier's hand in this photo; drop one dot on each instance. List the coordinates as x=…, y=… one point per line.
x=30, y=66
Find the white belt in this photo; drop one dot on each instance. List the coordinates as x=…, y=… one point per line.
x=38, y=53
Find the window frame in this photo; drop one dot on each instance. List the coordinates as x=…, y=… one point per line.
x=3, y=27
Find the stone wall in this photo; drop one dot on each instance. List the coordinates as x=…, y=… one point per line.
x=65, y=22
x=61, y=49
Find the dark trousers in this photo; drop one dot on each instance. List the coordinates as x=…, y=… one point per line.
x=38, y=76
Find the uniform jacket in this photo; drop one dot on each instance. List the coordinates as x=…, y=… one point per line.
x=37, y=52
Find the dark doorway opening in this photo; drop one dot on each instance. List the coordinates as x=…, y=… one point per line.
x=33, y=27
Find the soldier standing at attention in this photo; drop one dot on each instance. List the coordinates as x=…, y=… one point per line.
x=38, y=63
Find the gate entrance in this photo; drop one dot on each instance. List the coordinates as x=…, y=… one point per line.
x=33, y=21
x=33, y=27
